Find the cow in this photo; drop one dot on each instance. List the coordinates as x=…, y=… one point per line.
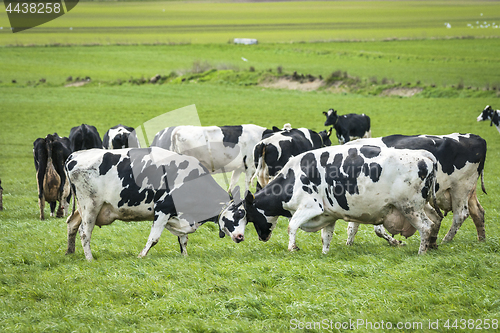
x=137, y=184
x=49, y=154
x=219, y=149
x=362, y=183
x=461, y=159
x=120, y=136
x=271, y=153
x=84, y=137
x=492, y=115
x=349, y=126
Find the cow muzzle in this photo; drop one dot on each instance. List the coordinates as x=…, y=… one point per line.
x=239, y=238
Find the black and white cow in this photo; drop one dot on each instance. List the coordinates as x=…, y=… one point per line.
x=492, y=115
x=119, y=137
x=461, y=159
x=137, y=184
x=49, y=154
x=84, y=137
x=219, y=149
x=272, y=153
x=349, y=126
x=362, y=183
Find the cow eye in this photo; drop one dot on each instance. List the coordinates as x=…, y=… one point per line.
x=239, y=214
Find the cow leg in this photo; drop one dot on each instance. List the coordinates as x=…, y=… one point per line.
x=460, y=213
x=428, y=230
x=86, y=228
x=159, y=224
x=41, y=204
x=326, y=237
x=73, y=222
x=235, y=177
x=380, y=231
x=352, y=229
x=183, y=240
x=300, y=217
x=476, y=212
x=53, y=206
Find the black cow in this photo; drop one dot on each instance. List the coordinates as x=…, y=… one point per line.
x=84, y=137
x=50, y=154
x=349, y=126
x=120, y=136
x=492, y=115
x=272, y=153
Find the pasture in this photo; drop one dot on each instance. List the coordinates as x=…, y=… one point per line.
x=251, y=286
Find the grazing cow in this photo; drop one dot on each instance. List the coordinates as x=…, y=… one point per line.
x=492, y=115
x=219, y=149
x=349, y=126
x=461, y=159
x=50, y=154
x=84, y=137
x=137, y=184
x=271, y=154
x=362, y=183
x=119, y=137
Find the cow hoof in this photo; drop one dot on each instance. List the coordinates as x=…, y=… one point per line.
x=294, y=248
x=433, y=246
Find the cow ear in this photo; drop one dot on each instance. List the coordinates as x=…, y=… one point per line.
x=221, y=234
x=235, y=195
x=326, y=114
x=276, y=129
x=249, y=198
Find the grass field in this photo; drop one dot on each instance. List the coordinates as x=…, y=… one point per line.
x=252, y=286
x=205, y=22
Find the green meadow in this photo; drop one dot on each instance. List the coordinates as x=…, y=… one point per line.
x=252, y=286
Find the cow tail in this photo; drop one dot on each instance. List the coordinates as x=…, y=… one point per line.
x=432, y=193
x=482, y=182
x=262, y=169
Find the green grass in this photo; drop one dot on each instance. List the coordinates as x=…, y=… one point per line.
x=203, y=23
x=223, y=286
x=439, y=62
x=252, y=286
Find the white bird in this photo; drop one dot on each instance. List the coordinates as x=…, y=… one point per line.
x=244, y=59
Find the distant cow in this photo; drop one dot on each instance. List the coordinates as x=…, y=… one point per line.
x=219, y=149
x=361, y=183
x=349, y=126
x=461, y=159
x=272, y=153
x=492, y=115
x=119, y=137
x=84, y=137
x=50, y=153
x=137, y=184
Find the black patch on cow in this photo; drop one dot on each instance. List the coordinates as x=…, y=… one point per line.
x=373, y=171
x=309, y=168
x=84, y=137
x=370, y=151
x=422, y=169
x=183, y=165
x=278, y=191
x=108, y=161
x=231, y=135
x=341, y=176
x=71, y=165
x=166, y=138
x=450, y=153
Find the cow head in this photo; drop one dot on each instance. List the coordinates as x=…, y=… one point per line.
x=325, y=137
x=486, y=114
x=331, y=117
x=236, y=215
x=232, y=219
